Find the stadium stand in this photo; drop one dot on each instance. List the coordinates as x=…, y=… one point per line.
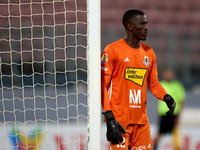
x=168, y=21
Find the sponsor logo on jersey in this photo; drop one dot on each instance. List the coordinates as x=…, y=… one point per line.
x=135, y=98
x=135, y=75
x=139, y=148
x=104, y=58
x=149, y=146
x=146, y=61
x=104, y=68
x=126, y=59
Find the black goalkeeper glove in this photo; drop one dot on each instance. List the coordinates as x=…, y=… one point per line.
x=171, y=104
x=113, y=126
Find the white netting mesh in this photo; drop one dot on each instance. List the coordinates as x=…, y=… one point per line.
x=43, y=74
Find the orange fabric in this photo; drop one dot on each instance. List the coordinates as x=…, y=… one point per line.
x=136, y=137
x=156, y=88
x=125, y=73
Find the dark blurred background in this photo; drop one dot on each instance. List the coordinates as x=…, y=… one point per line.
x=174, y=33
x=36, y=38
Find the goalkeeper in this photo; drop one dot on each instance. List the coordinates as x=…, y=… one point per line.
x=127, y=67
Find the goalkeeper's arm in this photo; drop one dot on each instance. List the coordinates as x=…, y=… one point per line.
x=113, y=128
x=159, y=92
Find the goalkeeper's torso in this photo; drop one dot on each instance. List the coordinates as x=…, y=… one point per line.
x=129, y=70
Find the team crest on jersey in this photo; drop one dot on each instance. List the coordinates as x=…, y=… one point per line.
x=104, y=58
x=146, y=61
x=135, y=75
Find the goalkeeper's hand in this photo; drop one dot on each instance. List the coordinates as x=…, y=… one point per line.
x=113, y=126
x=171, y=104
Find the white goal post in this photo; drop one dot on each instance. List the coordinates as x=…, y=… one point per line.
x=94, y=75
x=50, y=94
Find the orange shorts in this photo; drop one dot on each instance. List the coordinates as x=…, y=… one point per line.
x=137, y=137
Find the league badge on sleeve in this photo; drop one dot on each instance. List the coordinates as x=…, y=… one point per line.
x=146, y=61
x=104, y=58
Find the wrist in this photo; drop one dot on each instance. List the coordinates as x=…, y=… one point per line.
x=109, y=115
x=166, y=97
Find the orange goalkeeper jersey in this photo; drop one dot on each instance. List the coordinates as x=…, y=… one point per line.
x=125, y=73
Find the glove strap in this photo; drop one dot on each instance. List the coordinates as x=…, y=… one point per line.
x=165, y=99
x=109, y=115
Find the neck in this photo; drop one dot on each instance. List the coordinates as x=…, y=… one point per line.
x=134, y=43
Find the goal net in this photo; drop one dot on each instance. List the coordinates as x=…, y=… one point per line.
x=44, y=75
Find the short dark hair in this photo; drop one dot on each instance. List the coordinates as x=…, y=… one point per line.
x=130, y=14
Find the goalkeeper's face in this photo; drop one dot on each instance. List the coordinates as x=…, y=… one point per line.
x=139, y=26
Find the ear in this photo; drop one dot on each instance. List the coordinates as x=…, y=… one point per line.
x=129, y=27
